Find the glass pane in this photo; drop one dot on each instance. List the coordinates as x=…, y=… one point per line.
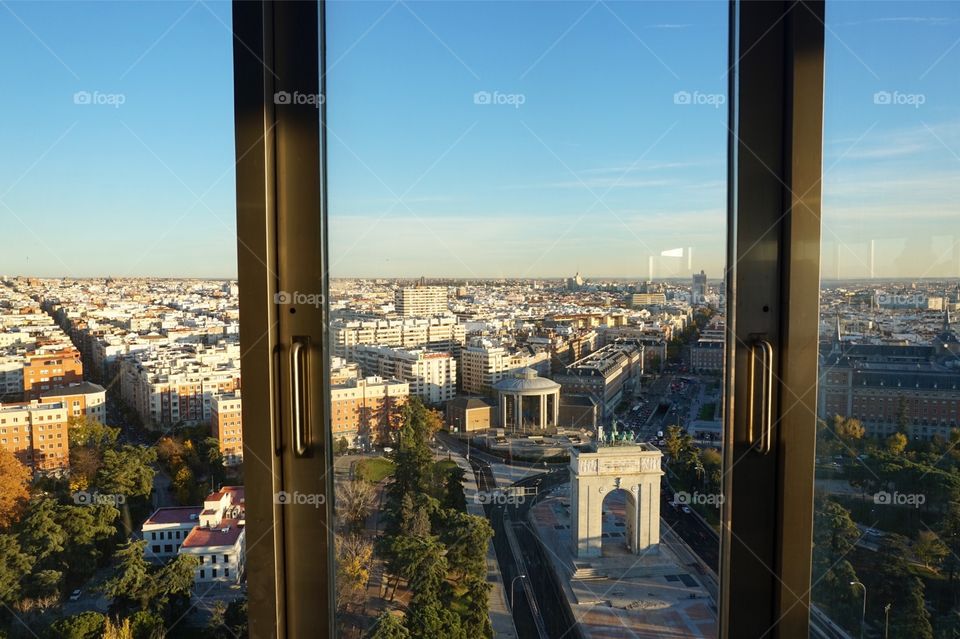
x=886, y=528
x=121, y=475
x=527, y=236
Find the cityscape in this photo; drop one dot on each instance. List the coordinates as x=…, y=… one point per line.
x=525, y=225
x=122, y=456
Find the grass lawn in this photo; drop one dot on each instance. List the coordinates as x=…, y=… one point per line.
x=374, y=470
x=443, y=466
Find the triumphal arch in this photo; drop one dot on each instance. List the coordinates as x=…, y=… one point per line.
x=615, y=462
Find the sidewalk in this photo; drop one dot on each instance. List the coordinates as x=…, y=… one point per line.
x=500, y=615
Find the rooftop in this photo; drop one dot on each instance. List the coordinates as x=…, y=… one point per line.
x=225, y=533
x=175, y=515
x=525, y=380
x=83, y=388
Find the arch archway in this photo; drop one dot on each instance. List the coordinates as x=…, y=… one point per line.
x=597, y=472
x=618, y=522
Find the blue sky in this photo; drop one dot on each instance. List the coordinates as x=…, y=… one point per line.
x=601, y=149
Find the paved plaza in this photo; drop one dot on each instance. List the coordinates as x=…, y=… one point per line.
x=620, y=594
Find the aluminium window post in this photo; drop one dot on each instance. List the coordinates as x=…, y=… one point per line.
x=283, y=286
x=775, y=146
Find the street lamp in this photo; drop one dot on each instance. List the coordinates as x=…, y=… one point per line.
x=886, y=621
x=863, y=615
x=514, y=581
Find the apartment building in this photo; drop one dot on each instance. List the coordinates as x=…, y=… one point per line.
x=639, y=300
x=706, y=354
x=432, y=376
x=85, y=399
x=442, y=333
x=366, y=411
x=11, y=378
x=483, y=364
x=37, y=434
x=421, y=301
x=226, y=424
x=341, y=370
x=166, y=391
x=652, y=337
x=45, y=370
x=605, y=375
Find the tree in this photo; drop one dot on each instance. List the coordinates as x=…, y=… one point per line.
x=412, y=457
x=354, y=503
x=84, y=465
x=354, y=554
x=235, y=618
x=848, y=430
x=217, y=616
x=14, y=564
x=679, y=445
x=897, y=443
x=86, y=625
x=127, y=471
x=427, y=614
x=453, y=495
x=132, y=580
x=466, y=538
x=914, y=621
x=14, y=488
x=87, y=432
x=834, y=536
x=476, y=601
x=41, y=589
x=342, y=446
x=184, y=485
x=174, y=584
x=41, y=534
x=91, y=532
x=895, y=583
x=389, y=626
x=712, y=462
x=147, y=625
x=119, y=630
x=929, y=549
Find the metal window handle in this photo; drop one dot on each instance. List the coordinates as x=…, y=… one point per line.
x=298, y=410
x=762, y=442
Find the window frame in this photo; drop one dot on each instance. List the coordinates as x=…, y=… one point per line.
x=773, y=241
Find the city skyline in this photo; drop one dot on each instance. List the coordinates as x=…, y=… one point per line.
x=565, y=177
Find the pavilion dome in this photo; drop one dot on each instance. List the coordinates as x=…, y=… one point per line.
x=525, y=380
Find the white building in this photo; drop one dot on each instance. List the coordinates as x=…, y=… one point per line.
x=218, y=541
x=166, y=530
x=431, y=376
x=421, y=301
x=482, y=365
x=11, y=377
x=442, y=333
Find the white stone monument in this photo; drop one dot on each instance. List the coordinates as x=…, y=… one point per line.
x=597, y=470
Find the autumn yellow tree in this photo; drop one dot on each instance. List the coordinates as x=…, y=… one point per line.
x=897, y=443
x=118, y=630
x=354, y=554
x=14, y=488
